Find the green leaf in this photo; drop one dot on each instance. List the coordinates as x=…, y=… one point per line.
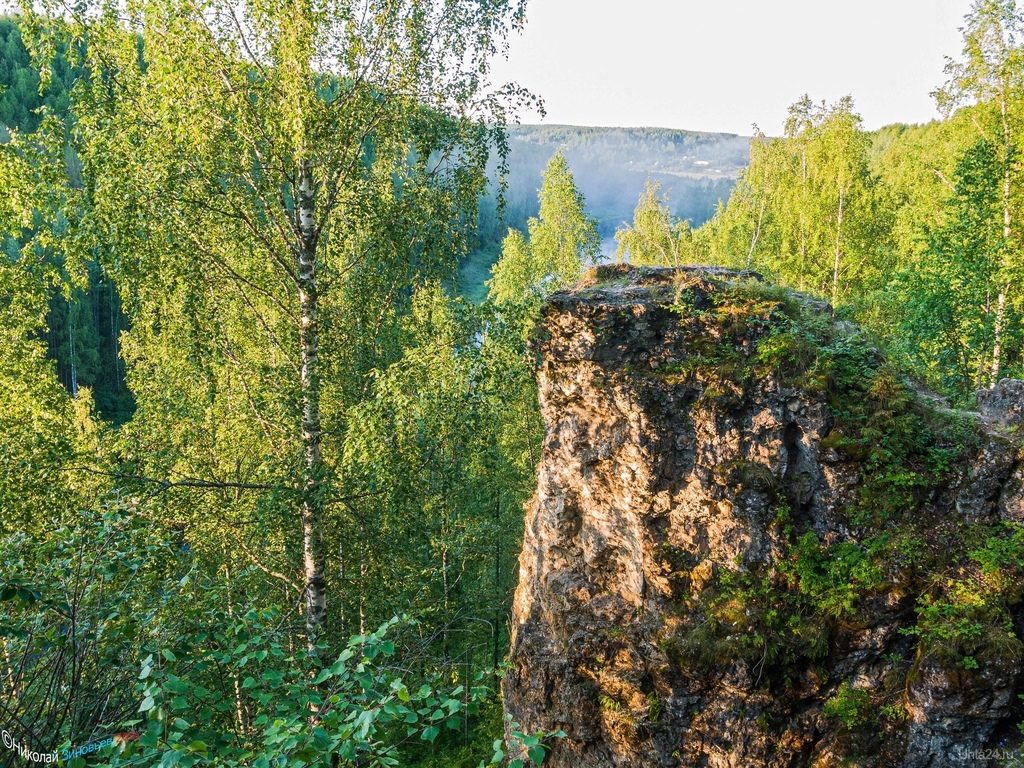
x=168, y=655
x=175, y=685
x=147, y=704
x=536, y=754
x=150, y=739
x=321, y=739
x=429, y=734
x=306, y=754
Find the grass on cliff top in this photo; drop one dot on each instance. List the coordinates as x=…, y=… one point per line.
x=904, y=443
x=964, y=575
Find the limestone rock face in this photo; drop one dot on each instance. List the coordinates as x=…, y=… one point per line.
x=1004, y=403
x=721, y=568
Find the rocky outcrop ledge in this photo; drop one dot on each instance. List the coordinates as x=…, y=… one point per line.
x=754, y=544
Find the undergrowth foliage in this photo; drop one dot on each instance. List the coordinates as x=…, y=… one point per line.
x=114, y=614
x=287, y=709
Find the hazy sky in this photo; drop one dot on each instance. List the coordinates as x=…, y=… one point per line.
x=721, y=65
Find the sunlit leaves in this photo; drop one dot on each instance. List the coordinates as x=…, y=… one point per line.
x=357, y=706
x=560, y=242
x=805, y=209
x=656, y=236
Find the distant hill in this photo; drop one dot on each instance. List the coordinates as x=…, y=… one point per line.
x=611, y=165
x=693, y=154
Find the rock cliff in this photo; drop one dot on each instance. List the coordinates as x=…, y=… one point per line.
x=753, y=543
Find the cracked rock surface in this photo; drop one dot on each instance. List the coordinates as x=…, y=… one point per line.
x=668, y=612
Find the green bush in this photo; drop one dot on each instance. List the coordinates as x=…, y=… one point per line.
x=851, y=706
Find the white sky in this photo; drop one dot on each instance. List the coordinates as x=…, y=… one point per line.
x=721, y=65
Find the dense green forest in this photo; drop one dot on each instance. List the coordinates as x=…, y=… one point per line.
x=263, y=469
x=262, y=474
x=22, y=103
x=611, y=165
x=84, y=319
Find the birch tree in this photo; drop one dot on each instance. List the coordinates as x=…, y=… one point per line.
x=656, y=236
x=990, y=74
x=266, y=180
x=804, y=209
x=839, y=160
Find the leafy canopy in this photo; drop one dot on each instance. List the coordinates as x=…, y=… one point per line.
x=559, y=244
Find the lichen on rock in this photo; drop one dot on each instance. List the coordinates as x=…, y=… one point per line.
x=754, y=544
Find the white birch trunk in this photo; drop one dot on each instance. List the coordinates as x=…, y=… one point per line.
x=835, y=263
x=312, y=495
x=997, y=340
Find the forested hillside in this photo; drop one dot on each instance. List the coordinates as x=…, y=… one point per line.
x=611, y=166
x=697, y=171
x=264, y=463
x=84, y=319
x=21, y=104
